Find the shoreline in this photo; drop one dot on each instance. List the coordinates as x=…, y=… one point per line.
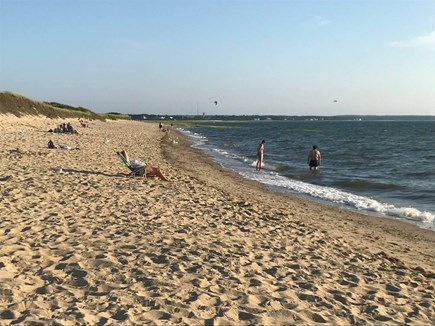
x=341, y=183
x=333, y=218
x=92, y=245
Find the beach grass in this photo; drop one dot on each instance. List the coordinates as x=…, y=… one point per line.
x=19, y=105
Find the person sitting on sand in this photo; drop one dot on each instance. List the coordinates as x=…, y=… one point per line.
x=51, y=144
x=150, y=171
x=70, y=129
x=140, y=168
x=84, y=123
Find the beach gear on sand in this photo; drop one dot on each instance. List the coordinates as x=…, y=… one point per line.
x=51, y=144
x=64, y=128
x=137, y=168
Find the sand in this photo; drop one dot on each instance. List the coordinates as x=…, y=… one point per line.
x=92, y=246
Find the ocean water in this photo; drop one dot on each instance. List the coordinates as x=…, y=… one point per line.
x=383, y=168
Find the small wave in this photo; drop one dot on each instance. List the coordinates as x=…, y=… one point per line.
x=364, y=184
x=280, y=167
x=420, y=174
x=197, y=138
x=220, y=151
x=225, y=153
x=268, y=167
x=333, y=195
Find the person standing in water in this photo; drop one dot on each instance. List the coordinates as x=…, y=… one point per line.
x=260, y=154
x=314, y=158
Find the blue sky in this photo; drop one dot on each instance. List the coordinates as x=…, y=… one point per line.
x=253, y=57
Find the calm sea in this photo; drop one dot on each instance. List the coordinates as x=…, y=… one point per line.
x=384, y=168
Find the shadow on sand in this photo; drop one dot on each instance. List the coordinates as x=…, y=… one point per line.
x=66, y=170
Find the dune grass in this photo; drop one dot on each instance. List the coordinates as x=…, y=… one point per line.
x=19, y=105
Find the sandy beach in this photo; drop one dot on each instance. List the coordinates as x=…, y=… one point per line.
x=92, y=246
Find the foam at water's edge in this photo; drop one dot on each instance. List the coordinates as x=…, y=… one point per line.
x=423, y=219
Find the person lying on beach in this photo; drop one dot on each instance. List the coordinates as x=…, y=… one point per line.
x=52, y=145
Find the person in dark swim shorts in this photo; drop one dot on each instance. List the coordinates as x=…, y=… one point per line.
x=314, y=158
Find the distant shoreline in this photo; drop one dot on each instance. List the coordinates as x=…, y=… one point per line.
x=174, y=118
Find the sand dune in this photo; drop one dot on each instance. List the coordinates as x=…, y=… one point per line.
x=93, y=246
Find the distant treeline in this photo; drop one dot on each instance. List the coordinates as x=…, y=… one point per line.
x=284, y=117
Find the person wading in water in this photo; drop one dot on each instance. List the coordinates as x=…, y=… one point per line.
x=260, y=155
x=314, y=158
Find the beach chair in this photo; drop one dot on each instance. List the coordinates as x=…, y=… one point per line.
x=136, y=168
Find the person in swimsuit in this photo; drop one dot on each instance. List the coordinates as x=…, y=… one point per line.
x=260, y=154
x=314, y=158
